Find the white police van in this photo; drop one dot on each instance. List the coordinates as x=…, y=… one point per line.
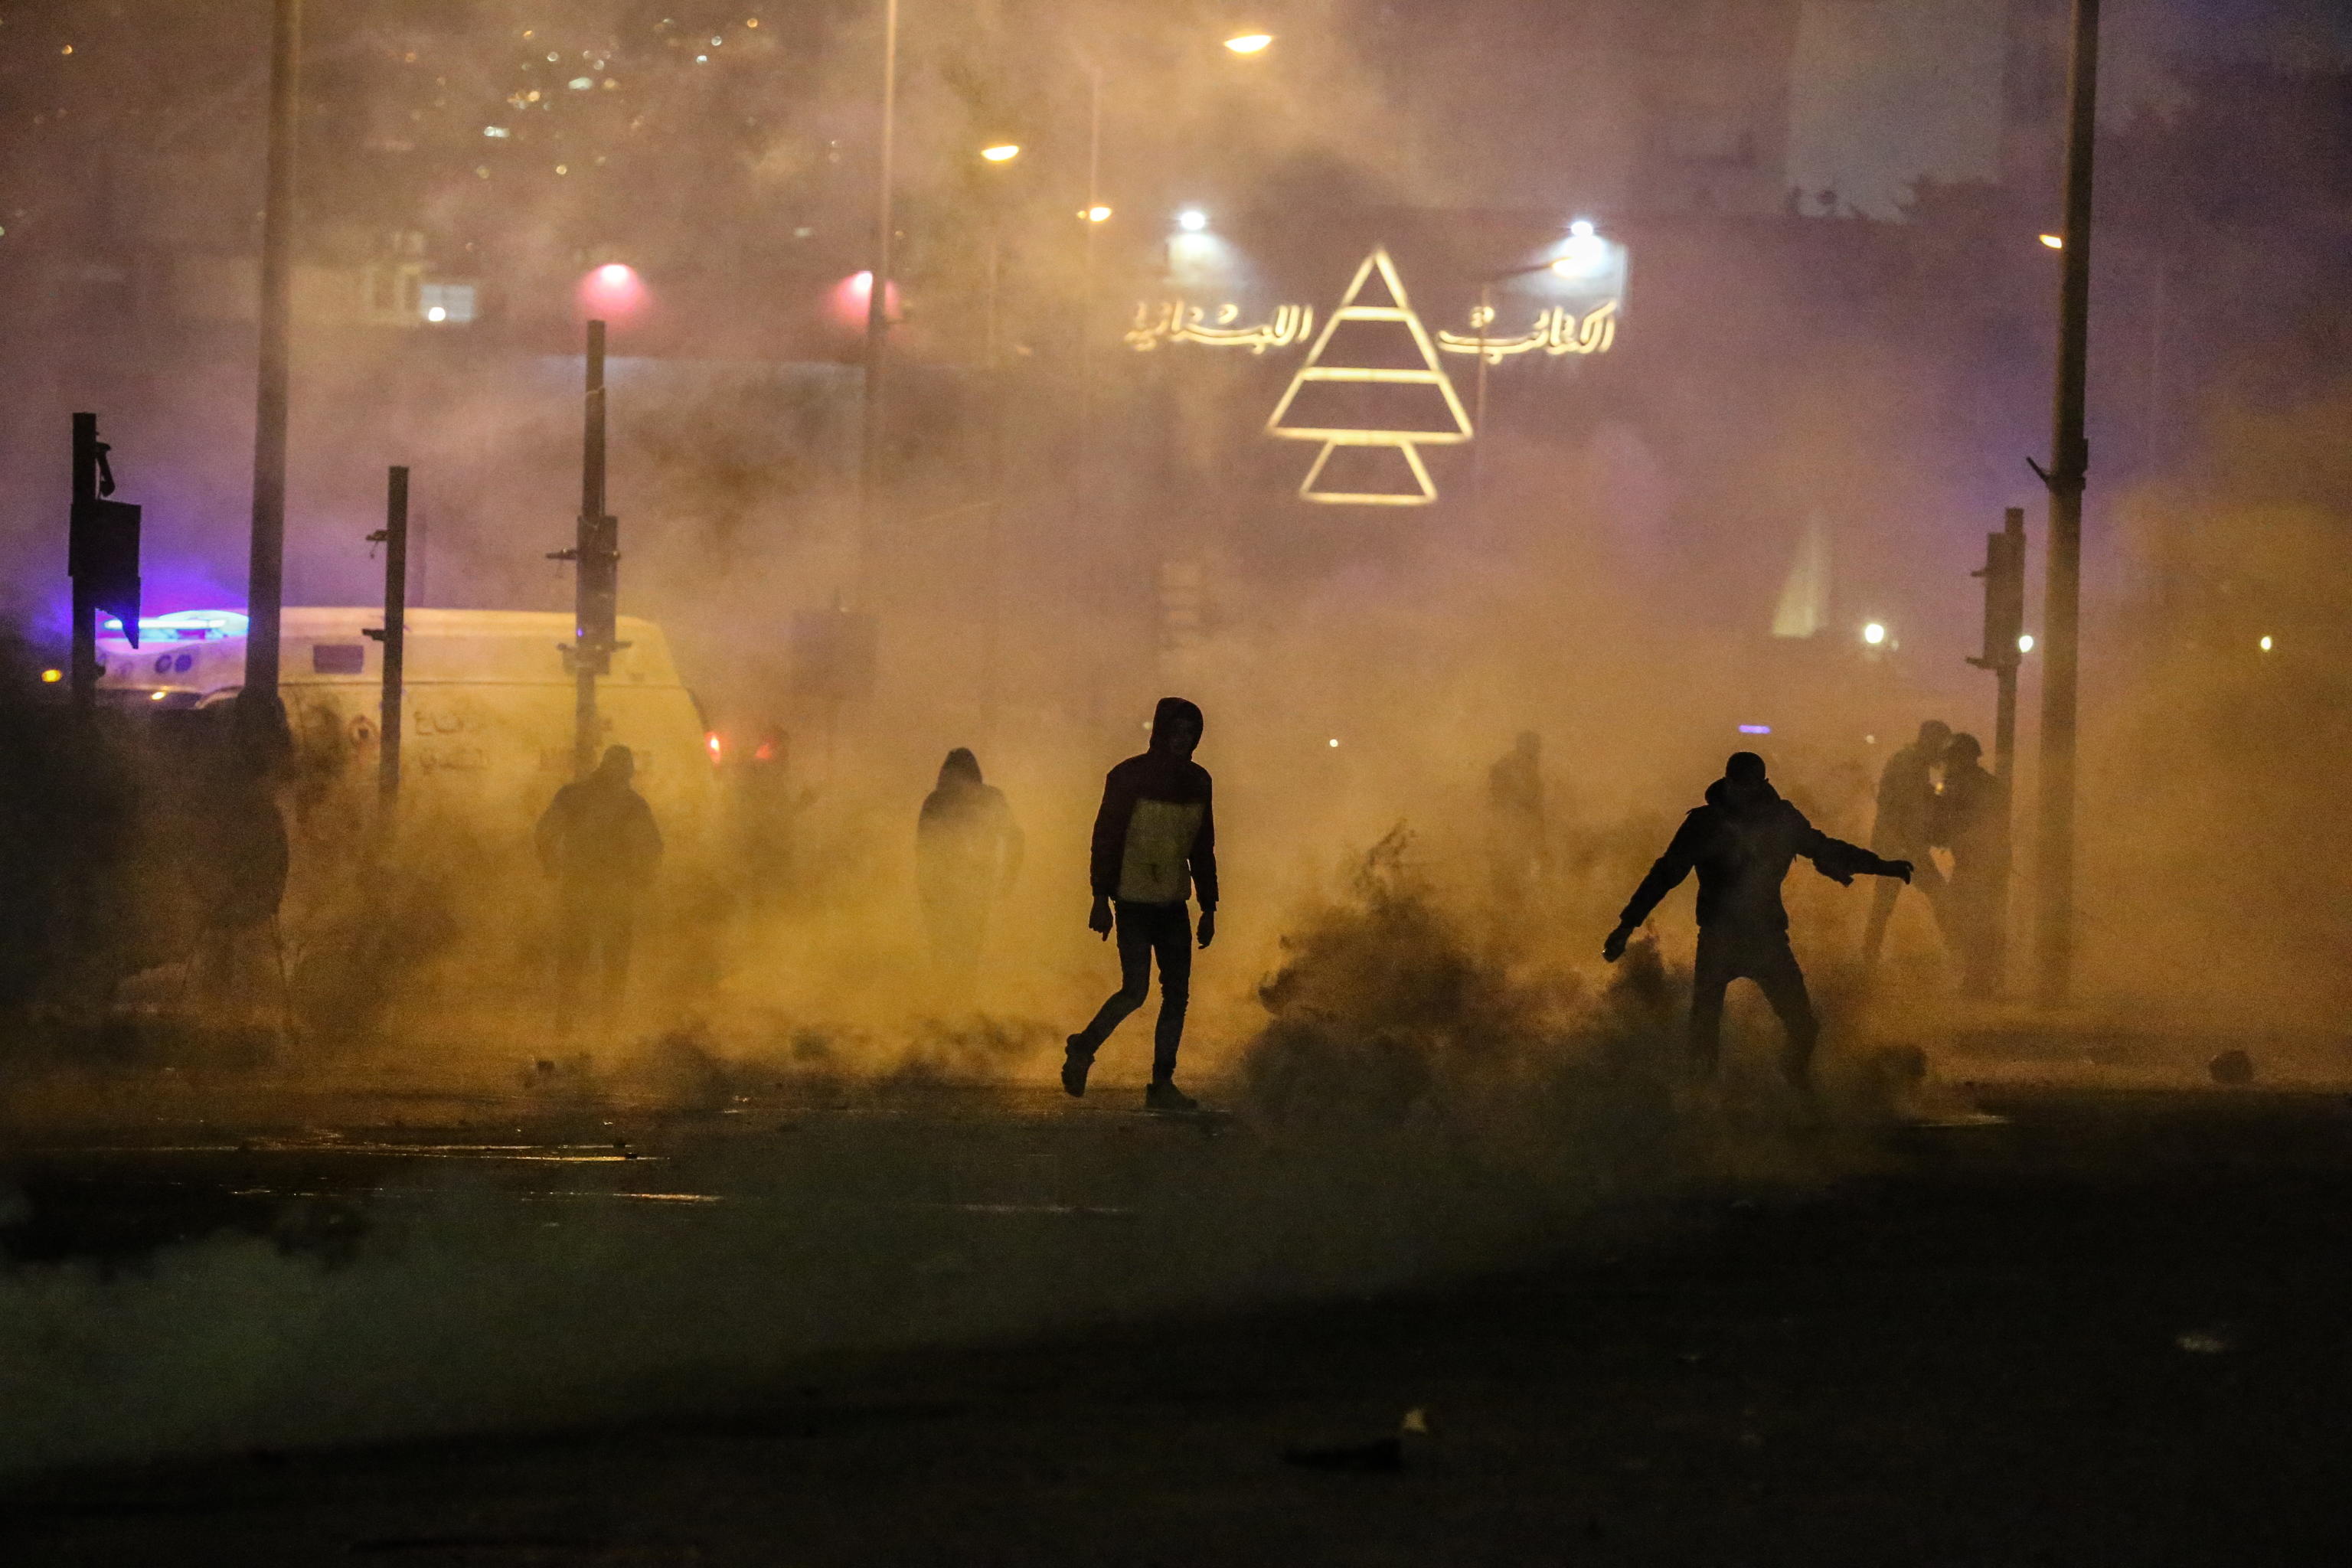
x=487, y=709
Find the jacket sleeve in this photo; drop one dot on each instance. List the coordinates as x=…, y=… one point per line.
x=1204, y=850
x=1666, y=875
x=1111, y=832
x=1839, y=861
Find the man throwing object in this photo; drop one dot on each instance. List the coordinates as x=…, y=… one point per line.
x=1741, y=843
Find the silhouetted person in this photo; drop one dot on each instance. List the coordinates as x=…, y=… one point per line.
x=598, y=840
x=1903, y=829
x=1971, y=820
x=1741, y=843
x=237, y=877
x=1518, y=846
x=966, y=853
x=1155, y=842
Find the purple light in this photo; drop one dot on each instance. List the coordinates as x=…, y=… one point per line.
x=1756, y=729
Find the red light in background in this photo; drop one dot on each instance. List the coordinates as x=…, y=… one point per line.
x=849, y=299
x=612, y=292
x=717, y=747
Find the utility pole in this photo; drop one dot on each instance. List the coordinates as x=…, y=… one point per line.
x=2069, y=466
x=878, y=306
x=266, y=574
x=101, y=557
x=596, y=556
x=2004, y=623
x=393, y=635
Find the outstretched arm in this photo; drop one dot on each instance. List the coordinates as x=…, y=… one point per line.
x=1842, y=862
x=1665, y=876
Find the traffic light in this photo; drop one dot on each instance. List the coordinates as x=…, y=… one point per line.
x=2004, y=594
x=101, y=537
x=103, y=558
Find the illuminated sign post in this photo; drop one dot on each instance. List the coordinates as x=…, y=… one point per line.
x=1374, y=383
x=1377, y=270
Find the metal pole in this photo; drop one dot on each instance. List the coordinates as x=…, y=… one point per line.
x=266, y=573
x=877, y=303
x=587, y=657
x=84, y=660
x=1087, y=273
x=2005, y=718
x=2070, y=466
x=396, y=636
x=1479, y=436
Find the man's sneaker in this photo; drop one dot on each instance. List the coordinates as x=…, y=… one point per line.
x=1074, y=1068
x=1168, y=1096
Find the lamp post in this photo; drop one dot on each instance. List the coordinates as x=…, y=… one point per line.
x=869, y=433
x=266, y=564
x=2070, y=461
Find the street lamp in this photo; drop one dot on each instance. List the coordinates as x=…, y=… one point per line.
x=1874, y=633
x=1098, y=213
x=1191, y=220
x=1249, y=43
x=1001, y=152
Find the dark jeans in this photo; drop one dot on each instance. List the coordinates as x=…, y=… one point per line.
x=1146, y=930
x=1725, y=955
x=595, y=934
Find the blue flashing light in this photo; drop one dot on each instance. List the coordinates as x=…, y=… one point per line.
x=1756, y=729
x=184, y=625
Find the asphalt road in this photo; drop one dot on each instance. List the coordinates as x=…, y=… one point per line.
x=2104, y=1328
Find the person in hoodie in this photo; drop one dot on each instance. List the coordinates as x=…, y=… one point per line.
x=1155, y=842
x=968, y=852
x=1741, y=843
x=1907, y=812
x=598, y=843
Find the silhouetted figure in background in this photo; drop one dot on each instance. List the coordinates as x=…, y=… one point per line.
x=236, y=877
x=1155, y=842
x=966, y=853
x=1741, y=843
x=1517, y=844
x=598, y=840
x=1907, y=806
x=1971, y=820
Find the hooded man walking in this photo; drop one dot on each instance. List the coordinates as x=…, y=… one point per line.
x=1155, y=842
x=1741, y=844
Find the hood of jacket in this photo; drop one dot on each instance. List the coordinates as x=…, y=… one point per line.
x=1171, y=711
x=960, y=770
x=1719, y=795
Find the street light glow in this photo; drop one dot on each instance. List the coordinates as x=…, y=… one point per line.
x=1874, y=634
x=1191, y=220
x=1580, y=229
x=2025, y=642
x=2055, y=241
x=51, y=676
x=1096, y=213
x=1003, y=152
x=1249, y=43
x=2266, y=645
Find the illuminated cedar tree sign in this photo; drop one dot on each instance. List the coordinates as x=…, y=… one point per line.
x=1384, y=390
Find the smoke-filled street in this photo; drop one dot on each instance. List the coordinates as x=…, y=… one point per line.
x=1174, y=782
